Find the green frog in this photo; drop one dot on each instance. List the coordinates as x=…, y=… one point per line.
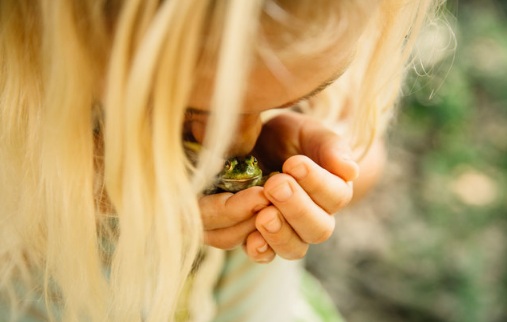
x=239, y=173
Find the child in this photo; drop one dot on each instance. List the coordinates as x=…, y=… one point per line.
x=103, y=216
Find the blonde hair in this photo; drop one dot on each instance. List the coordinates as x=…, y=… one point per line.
x=92, y=170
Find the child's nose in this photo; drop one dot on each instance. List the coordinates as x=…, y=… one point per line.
x=244, y=138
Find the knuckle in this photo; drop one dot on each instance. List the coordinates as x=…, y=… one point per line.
x=229, y=216
x=323, y=235
x=297, y=214
x=277, y=240
x=296, y=253
x=341, y=201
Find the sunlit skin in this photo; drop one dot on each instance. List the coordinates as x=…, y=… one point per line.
x=295, y=207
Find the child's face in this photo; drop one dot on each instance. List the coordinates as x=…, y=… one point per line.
x=301, y=77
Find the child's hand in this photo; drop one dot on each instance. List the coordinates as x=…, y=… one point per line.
x=315, y=183
x=295, y=207
x=229, y=218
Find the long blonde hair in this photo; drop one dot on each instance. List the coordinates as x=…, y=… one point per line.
x=98, y=205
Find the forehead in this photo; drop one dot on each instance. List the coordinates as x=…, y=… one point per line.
x=290, y=61
x=272, y=86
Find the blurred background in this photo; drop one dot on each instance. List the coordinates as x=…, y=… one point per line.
x=429, y=243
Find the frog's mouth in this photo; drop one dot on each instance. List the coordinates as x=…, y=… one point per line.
x=240, y=180
x=235, y=185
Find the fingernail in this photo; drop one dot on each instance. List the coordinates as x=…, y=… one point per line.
x=281, y=192
x=263, y=248
x=299, y=172
x=354, y=170
x=353, y=165
x=274, y=225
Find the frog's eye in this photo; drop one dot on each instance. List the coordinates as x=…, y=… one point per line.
x=227, y=165
x=254, y=160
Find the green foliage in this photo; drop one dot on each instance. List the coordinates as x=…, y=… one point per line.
x=460, y=140
x=446, y=258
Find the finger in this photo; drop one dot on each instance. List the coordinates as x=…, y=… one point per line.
x=280, y=236
x=258, y=249
x=326, y=189
x=295, y=133
x=226, y=209
x=230, y=237
x=328, y=150
x=312, y=223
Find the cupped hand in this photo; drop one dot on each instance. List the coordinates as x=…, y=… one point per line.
x=294, y=208
x=316, y=182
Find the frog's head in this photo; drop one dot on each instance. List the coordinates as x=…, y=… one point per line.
x=239, y=173
x=241, y=168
